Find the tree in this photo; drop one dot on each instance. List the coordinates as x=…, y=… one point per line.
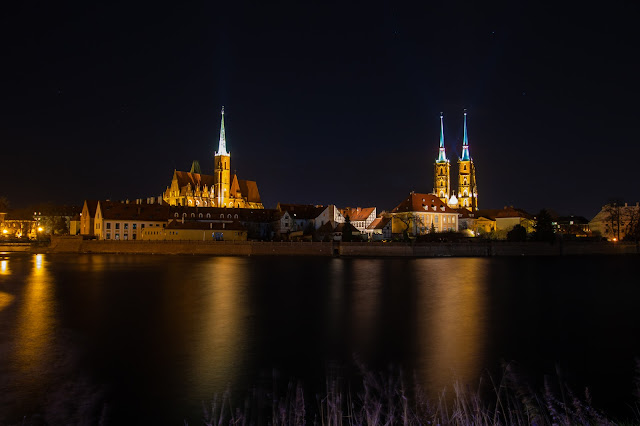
x=4, y=204
x=347, y=236
x=518, y=233
x=632, y=228
x=544, y=227
x=408, y=220
x=612, y=217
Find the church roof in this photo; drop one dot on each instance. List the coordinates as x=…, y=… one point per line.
x=249, y=190
x=195, y=179
x=422, y=202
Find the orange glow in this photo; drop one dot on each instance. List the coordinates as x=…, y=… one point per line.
x=35, y=321
x=452, y=330
x=4, y=267
x=5, y=300
x=4, y=231
x=218, y=356
x=40, y=228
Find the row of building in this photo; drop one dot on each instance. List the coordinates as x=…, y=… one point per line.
x=197, y=206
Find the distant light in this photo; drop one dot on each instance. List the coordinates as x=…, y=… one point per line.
x=4, y=231
x=40, y=228
x=615, y=239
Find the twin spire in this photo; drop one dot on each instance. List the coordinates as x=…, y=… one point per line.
x=222, y=144
x=442, y=156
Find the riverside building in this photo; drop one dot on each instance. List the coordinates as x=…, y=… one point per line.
x=465, y=195
x=218, y=190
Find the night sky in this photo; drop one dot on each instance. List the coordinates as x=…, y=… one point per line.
x=324, y=102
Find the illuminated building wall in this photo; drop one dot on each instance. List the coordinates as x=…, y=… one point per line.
x=217, y=190
x=466, y=195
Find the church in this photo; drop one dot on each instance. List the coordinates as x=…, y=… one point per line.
x=218, y=190
x=465, y=195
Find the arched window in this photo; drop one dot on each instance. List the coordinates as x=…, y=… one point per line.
x=222, y=216
x=184, y=215
x=200, y=215
x=197, y=203
x=235, y=216
x=208, y=215
x=193, y=215
x=465, y=193
x=229, y=216
x=175, y=215
x=189, y=202
x=465, y=167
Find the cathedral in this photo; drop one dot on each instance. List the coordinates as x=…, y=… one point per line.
x=218, y=190
x=466, y=194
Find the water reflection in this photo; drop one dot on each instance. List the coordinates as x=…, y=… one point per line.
x=366, y=311
x=451, y=321
x=222, y=334
x=4, y=267
x=35, y=322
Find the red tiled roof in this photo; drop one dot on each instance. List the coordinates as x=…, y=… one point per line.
x=357, y=213
x=216, y=225
x=122, y=211
x=379, y=223
x=421, y=203
x=195, y=179
x=249, y=190
x=245, y=215
x=92, y=205
x=302, y=211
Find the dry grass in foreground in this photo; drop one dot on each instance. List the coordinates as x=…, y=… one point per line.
x=384, y=399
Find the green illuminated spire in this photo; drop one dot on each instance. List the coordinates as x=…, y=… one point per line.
x=442, y=156
x=465, y=141
x=222, y=145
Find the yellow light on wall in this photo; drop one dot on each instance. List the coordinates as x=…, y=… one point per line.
x=40, y=228
x=4, y=231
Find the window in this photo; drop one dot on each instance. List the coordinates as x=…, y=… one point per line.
x=208, y=215
x=235, y=216
x=135, y=226
x=126, y=226
x=117, y=236
x=117, y=225
x=108, y=235
x=200, y=215
x=193, y=215
x=108, y=225
x=142, y=226
x=175, y=215
x=125, y=236
x=134, y=236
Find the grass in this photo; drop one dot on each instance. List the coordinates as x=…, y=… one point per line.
x=385, y=399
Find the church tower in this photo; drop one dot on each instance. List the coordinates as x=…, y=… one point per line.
x=222, y=170
x=442, y=168
x=467, y=189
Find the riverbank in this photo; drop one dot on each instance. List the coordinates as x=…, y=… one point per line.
x=75, y=244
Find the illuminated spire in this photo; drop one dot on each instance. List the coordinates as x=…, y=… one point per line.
x=442, y=157
x=465, y=141
x=222, y=145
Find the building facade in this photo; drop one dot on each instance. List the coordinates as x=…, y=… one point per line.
x=218, y=190
x=421, y=214
x=466, y=195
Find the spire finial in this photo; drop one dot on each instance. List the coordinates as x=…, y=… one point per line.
x=222, y=144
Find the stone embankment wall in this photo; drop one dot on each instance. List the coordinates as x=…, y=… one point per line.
x=76, y=244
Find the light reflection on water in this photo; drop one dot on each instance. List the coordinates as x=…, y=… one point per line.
x=451, y=326
x=35, y=322
x=179, y=323
x=220, y=342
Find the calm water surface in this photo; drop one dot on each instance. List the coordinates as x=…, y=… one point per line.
x=146, y=339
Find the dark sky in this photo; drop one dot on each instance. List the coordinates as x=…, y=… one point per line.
x=324, y=102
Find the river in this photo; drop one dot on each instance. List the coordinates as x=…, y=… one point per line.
x=147, y=339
